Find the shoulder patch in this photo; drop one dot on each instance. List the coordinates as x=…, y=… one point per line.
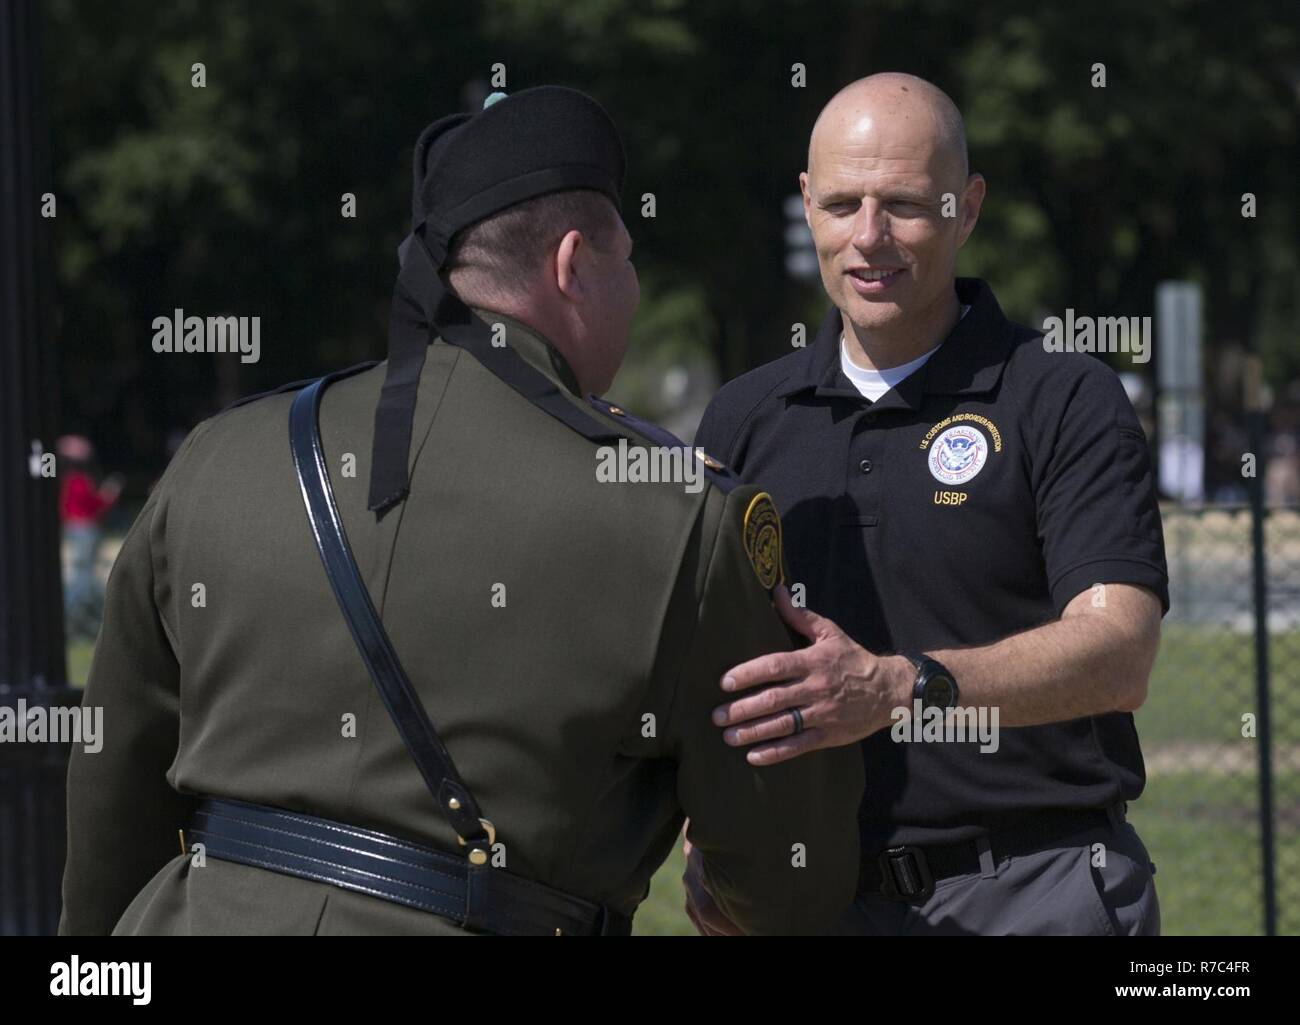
x=762, y=539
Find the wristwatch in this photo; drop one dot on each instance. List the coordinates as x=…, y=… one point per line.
x=934, y=686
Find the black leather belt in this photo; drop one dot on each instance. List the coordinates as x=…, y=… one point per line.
x=908, y=873
x=396, y=870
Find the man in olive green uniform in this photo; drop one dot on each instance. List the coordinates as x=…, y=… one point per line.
x=565, y=633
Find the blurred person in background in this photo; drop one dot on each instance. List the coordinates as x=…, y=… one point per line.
x=1282, y=476
x=83, y=503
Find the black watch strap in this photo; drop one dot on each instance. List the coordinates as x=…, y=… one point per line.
x=926, y=669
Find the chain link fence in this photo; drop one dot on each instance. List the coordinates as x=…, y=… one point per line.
x=1210, y=759
x=1201, y=815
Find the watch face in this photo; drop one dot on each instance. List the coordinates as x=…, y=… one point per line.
x=940, y=691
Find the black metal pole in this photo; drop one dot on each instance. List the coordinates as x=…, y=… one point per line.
x=32, y=666
x=1257, y=428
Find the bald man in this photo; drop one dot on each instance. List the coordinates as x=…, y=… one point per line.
x=975, y=554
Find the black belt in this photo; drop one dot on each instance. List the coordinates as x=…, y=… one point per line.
x=908, y=873
x=396, y=870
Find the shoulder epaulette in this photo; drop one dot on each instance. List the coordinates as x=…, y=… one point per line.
x=718, y=474
x=297, y=385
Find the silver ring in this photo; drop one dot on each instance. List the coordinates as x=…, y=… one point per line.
x=797, y=716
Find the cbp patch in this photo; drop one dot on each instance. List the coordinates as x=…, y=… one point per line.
x=762, y=538
x=958, y=454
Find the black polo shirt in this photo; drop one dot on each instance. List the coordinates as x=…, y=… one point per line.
x=972, y=501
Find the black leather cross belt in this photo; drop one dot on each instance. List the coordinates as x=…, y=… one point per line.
x=908, y=873
x=395, y=870
x=466, y=889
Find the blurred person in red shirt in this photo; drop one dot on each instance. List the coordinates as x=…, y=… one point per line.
x=82, y=505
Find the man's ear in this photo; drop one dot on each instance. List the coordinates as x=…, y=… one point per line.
x=972, y=200
x=567, y=277
x=807, y=198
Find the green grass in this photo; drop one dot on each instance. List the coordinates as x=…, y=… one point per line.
x=662, y=914
x=1204, y=681
x=79, y=656
x=1201, y=828
x=1203, y=834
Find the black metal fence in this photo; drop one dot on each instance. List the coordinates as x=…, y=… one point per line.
x=31, y=609
x=1221, y=812
x=33, y=813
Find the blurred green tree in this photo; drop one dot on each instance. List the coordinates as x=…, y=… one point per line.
x=226, y=199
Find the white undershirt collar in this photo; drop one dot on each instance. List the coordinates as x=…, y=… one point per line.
x=874, y=383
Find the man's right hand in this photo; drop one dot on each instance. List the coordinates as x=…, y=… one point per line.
x=704, y=914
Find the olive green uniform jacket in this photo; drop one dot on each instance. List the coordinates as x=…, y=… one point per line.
x=567, y=637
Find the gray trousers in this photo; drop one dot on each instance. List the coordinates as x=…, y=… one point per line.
x=1072, y=888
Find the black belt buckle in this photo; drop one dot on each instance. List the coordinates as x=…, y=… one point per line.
x=905, y=875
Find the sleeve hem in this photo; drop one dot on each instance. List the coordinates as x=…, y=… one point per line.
x=1110, y=571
